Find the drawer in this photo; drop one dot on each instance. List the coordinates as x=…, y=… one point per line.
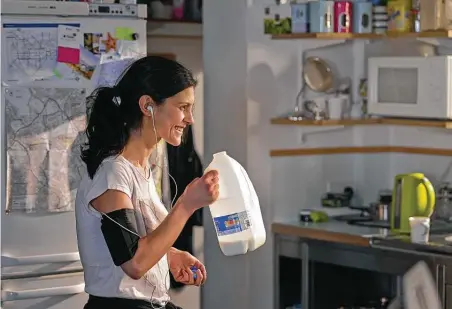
x=65, y=291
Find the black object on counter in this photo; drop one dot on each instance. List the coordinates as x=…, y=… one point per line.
x=336, y=200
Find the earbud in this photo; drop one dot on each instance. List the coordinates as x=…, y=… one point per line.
x=150, y=109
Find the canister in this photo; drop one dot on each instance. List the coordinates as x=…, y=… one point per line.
x=400, y=16
x=362, y=17
x=299, y=13
x=343, y=16
x=432, y=15
x=379, y=19
x=321, y=16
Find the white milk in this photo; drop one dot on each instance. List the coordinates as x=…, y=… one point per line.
x=236, y=214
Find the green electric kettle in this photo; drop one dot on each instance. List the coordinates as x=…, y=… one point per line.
x=413, y=195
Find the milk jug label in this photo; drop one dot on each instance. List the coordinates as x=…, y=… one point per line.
x=233, y=223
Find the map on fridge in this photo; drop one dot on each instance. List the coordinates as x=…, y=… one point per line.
x=31, y=54
x=44, y=129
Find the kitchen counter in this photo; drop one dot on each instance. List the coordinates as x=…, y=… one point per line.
x=331, y=231
x=359, y=247
x=346, y=234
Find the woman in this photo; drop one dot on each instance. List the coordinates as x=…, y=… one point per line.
x=125, y=235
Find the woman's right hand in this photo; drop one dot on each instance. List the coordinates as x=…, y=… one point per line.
x=201, y=191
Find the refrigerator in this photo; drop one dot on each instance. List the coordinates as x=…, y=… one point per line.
x=53, y=55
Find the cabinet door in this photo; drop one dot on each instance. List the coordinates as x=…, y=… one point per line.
x=448, y=300
x=447, y=270
x=443, y=277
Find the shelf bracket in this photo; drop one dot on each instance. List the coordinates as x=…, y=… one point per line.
x=446, y=42
x=316, y=44
x=304, y=135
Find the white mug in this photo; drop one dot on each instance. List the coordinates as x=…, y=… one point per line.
x=420, y=229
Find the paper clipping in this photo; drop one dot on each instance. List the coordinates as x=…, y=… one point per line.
x=44, y=128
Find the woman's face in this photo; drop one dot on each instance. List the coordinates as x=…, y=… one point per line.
x=174, y=115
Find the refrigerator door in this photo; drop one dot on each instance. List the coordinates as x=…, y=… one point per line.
x=40, y=267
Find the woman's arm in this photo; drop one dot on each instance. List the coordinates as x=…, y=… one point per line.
x=152, y=247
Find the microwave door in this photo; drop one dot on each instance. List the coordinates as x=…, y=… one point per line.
x=396, y=91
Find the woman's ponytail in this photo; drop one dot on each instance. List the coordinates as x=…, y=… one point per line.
x=106, y=129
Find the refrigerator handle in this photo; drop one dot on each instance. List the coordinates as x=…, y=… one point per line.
x=39, y=293
x=39, y=259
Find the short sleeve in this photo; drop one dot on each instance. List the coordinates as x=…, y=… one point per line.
x=111, y=175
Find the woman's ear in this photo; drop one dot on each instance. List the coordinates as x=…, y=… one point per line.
x=146, y=105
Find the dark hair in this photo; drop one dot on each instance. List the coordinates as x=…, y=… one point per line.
x=114, y=112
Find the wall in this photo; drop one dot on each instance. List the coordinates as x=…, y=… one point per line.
x=189, y=53
x=250, y=79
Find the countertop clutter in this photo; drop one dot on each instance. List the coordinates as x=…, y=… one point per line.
x=407, y=231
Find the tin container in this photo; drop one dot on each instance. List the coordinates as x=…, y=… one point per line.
x=362, y=17
x=432, y=15
x=400, y=16
x=343, y=16
x=300, y=21
x=321, y=16
x=379, y=19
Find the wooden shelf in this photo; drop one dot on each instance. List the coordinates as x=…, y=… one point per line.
x=173, y=29
x=172, y=21
x=362, y=150
x=371, y=121
x=351, y=36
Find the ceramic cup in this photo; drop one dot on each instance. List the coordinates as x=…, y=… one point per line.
x=420, y=229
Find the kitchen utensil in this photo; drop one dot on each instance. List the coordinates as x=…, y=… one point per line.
x=338, y=199
x=316, y=75
x=380, y=211
x=420, y=229
x=443, y=205
x=336, y=107
x=413, y=196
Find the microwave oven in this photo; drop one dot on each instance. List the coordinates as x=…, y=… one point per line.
x=410, y=87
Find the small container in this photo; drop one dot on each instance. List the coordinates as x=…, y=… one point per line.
x=336, y=107
x=379, y=19
x=343, y=16
x=362, y=17
x=416, y=15
x=300, y=19
x=432, y=14
x=321, y=16
x=400, y=16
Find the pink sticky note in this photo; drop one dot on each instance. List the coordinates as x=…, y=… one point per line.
x=68, y=55
x=69, y=41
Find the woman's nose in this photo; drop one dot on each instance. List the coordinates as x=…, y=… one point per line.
x=189, y=118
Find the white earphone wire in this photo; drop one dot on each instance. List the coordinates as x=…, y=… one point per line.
x=150, y=109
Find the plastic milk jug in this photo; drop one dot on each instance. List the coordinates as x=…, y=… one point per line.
x=236, y=213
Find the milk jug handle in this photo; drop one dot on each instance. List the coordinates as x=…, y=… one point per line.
x=247, y=182
x=430, y=195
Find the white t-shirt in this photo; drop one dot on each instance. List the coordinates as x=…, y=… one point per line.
x=102, y=277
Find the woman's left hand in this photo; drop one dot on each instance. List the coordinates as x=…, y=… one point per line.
x=185, y=268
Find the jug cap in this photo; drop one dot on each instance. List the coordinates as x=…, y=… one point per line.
x=221, y=153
